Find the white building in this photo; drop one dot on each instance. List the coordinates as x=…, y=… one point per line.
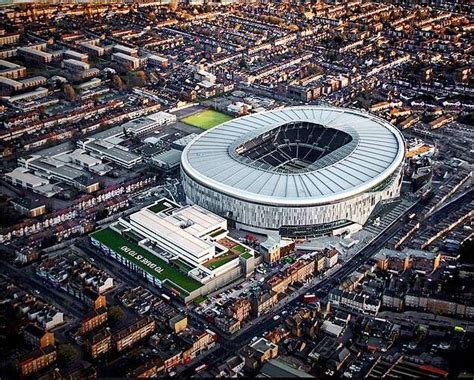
x=185, y=247
x=148, y=123
x=111, y=152
x=298, y=171
x=75, y=65
x=184, y=232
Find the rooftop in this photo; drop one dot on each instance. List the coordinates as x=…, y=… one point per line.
x=369, y=151
x=117, y=243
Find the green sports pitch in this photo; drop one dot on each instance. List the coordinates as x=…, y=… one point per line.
x=206, y=119
x=145, y=260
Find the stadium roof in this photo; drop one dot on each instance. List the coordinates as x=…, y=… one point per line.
x=375, y=152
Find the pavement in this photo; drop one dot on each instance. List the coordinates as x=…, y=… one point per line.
x=427, y=318
x=61, y=300
x=317, y=285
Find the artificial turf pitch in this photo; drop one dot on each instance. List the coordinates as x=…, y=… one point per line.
x=206, y=119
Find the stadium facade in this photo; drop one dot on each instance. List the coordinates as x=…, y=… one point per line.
x=299, y=171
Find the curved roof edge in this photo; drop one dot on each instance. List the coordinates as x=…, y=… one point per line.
x=299, y=201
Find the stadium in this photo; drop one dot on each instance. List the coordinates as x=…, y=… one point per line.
x=298, y=171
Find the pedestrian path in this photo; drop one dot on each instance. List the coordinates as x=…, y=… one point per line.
x=395, y=209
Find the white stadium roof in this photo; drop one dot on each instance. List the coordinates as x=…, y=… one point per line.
x=377, y=149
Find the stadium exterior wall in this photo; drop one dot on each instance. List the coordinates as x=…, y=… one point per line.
x=264, y=218
x=259, y=198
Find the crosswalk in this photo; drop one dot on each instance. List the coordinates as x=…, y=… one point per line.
x=388, y=214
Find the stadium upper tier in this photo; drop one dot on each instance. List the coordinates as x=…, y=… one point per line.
x=297, y=156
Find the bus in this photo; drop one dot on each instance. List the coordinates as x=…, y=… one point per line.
x=165, y=297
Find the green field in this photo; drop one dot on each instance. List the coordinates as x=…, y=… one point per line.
x=219, y=261
x=145, y=260
x=206, y=119
x=246, y=255
x=161, y=206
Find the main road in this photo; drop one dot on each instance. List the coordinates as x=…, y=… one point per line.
x=231, y=343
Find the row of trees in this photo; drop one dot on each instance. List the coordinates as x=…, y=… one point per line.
x=134, y=79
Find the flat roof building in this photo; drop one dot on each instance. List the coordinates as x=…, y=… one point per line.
x=106, y=150
x=76, y=55
x=185, y=246
x=126, y=50
x=95, y=50
x=131, y=63
x=75, y=65
x=11, y=70
x=39, y=92
x=54, y=169
x=148, y=123
x=182, y=232
x=167, y=161
x=26, y=179
x=33, y=54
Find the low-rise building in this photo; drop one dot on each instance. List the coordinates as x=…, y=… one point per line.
x=35, y=361
x=150, y=369
x=128, y=336
x=400, y=261
x=126, y=61
x=273, y=249
x=93, y=320
x=424, y=261
x=30, y=207
x=99, y=344
x=259, y=352
x=35, y=54
x=239, y=309
x=11, y=70
x=228, y=325
x=197, y=342
x=75, y=65
x=331, y=258
x=37, y=337
x=178, y=323
x=263, y=301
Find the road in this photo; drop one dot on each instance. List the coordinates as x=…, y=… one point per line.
x=58, y=298
x=231, y=344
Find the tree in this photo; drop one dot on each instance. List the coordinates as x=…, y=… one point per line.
x=69, y=92
x=173, y=5
x=67, y=353
x=465, y=252
x=116, y=314
x=338, y=40
x=117, y=82
x=141, y=76
x=136, y=79
x=293, y=28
